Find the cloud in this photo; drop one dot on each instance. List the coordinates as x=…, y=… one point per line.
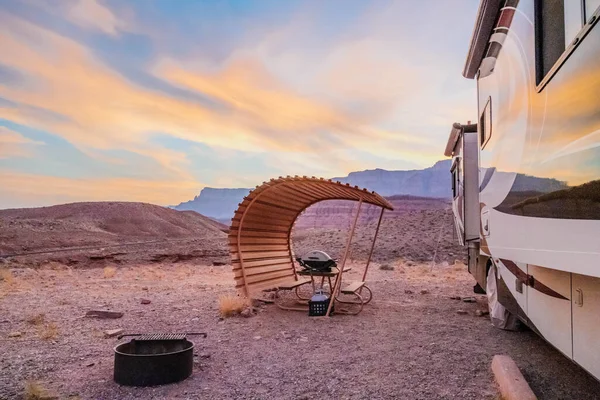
x=303, y=97
x=29, y=190
x=103, y=110
x=13, y=144
x=90, y=14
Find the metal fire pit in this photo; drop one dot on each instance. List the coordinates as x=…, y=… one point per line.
x=155, y=359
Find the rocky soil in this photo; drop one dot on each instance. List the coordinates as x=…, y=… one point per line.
x=419, y=229
x=166, y=270
x=412, y=342
x=83, y=235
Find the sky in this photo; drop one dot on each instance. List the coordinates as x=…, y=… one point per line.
x=152, y=100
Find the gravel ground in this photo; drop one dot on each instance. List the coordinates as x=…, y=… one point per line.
x=405, y=344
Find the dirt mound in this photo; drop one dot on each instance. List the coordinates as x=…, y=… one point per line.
x=98, y=224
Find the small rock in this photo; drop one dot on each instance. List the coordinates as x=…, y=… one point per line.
x=469, y=299
x=257, y=337
x=286, y=335
x=386, y=267
x=145, y=301
x=14, y=334
x=461, y=312
x=257, y=303
x=218, y=263
x=103, y=314
x=424, y=291
x=112, y=333
x=90, y=364
x=408, y=291
x=247, y=312
x=455, y=297
x=204, y=355
x=481, y=313
x=144, y=287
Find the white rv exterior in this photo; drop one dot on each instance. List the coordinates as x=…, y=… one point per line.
x=535, y=198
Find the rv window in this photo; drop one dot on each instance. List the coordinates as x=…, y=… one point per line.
x=455, y=177
x=485, y=124
x=557, y=26
x=454, y=184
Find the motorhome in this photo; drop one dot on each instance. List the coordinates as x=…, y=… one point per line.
x=526, y=175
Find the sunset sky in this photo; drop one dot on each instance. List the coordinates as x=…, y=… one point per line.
x=153, y=100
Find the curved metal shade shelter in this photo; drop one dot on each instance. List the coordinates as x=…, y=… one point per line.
x=259, y=236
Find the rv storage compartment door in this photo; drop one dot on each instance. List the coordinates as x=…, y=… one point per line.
x=585, y=298
x=549, y=307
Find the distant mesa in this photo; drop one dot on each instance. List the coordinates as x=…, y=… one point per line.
x=431, y=182
x=219, y=204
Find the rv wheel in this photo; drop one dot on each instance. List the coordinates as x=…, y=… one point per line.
x=501, y=318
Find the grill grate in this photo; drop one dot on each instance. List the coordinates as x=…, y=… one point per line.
x=161, y=336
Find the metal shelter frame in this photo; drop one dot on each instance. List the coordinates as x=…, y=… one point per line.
x=260, y=232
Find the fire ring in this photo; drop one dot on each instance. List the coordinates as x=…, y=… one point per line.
x=150, y=360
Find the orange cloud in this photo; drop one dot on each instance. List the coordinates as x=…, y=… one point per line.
x=13, y=144
x=106, y=111
x=30, y=190
x=358, y=87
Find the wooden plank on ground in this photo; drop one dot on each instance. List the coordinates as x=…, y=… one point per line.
x=511, y=382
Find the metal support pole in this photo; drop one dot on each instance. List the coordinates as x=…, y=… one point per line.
x=338, y=281
x=373, y=245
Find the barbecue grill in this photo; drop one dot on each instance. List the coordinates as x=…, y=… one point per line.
x=317, y=260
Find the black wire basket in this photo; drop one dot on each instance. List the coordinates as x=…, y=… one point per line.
x=318, y=308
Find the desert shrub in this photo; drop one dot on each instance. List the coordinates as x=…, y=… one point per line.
x=230, y=305
x=48, y=331
x=34, y=391
x=6, y=276
x=109, y=272
x=36, y=319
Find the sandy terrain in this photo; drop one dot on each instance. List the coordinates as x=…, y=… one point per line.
x=403, y=345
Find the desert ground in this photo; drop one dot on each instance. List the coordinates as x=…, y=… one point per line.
x=410, y=342
x=415, y=340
